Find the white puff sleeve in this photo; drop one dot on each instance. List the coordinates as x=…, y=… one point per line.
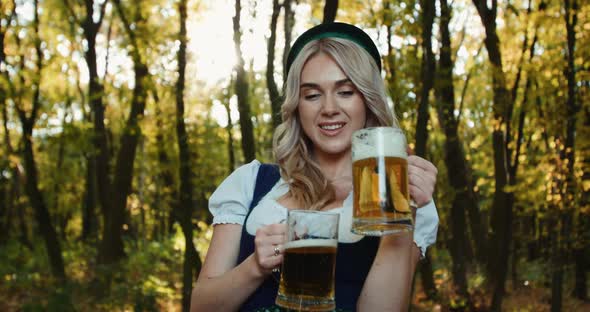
x=230, y=202
x=426, y=226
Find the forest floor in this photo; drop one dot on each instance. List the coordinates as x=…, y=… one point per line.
x=150, y=280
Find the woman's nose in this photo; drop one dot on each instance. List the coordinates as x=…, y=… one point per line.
x=330, y=105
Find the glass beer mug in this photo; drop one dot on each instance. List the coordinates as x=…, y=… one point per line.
x=309, y=263
x=382, y=202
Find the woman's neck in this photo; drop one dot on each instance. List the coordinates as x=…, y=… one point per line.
x=335, y=167
x=338, y=170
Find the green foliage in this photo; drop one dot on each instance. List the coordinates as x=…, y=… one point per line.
x=149, y=279
x=145, y=282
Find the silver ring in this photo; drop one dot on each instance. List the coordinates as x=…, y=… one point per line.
x=277, y=251
x=276, y=270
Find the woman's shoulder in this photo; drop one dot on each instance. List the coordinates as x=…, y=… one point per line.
x=231, y=200
x=245, y=171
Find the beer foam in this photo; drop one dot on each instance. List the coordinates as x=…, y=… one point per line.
x=378, y=142
x=315, y=242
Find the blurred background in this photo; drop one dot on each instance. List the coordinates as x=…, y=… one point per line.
x=120, y=118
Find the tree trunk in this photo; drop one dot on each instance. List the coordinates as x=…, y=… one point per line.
x=289, y=21
x=242, y=87
x=61, y=220
x=90, y=224
x=273, y=92
x=186, y=200
x=427, y=277
x=111, y=249
x=4, y=215
x=5, y=191
x=142, y=230
x=427, y=75
x=572, y=108
x=89, y=219
x=330, y=10
x=556, y=263
x=501, y=212
x=230, y=140
x=13, y=188
x=582, y=261
x=455, y=160
x=390, y=64
x=34, y=194
x=513, y=162
x=6, y=203
x=95, y=93
x=428, y=66
x=167, y=195
x=38, y=203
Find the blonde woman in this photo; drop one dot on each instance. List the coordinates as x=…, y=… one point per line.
x=333, y=88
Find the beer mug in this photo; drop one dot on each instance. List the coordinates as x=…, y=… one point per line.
x=309, y=261
x=380, y=177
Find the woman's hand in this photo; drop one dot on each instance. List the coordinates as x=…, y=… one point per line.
x=268, y=249
x=422, y=176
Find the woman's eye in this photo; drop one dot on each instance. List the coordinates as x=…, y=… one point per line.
x=312, y=96
x=346, y=93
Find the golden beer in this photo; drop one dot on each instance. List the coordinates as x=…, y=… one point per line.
x=381, y=202
x=307, y=277
x=309, y=261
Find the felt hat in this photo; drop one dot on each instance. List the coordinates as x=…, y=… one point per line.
x=334, y=30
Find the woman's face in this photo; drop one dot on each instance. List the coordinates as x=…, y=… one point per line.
x=330, y=107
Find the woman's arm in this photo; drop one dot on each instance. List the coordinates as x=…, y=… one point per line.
x=223, y=286
x=388, y=285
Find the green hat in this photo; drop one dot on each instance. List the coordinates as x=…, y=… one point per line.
x=337, y=30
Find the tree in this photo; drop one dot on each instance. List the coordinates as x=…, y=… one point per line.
x=28, y=119
x=185, y=201
x=111, y=248
x=330, y=10
x=99, y=160
x=427, y=78
x=454, y=155
x=514, y=161
x=242, y=88
x=427, y=75
x=567, y=154
x=581, y=250
x=288, y=22
x=273, y=92
x=501, y=214
x=7, y=203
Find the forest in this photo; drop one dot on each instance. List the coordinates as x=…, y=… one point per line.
x=120, y=118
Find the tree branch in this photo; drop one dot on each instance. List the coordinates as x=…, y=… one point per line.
x=102, y=12
x=70, y=8
x=128, y=30
x=37, y=81
x=464, y=90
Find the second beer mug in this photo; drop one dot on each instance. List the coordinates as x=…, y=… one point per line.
x=309, y=263
x=380, y=178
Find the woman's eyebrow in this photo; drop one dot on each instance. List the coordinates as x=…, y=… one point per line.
x=343, y=81
x=317, y=86
x=310, y=85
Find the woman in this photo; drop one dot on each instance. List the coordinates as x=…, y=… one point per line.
x=333, y=88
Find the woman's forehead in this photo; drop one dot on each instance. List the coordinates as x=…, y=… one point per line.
x=322, y=68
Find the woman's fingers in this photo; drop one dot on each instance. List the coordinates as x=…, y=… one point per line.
x=269, y=246
x=422, y=179
x=422, y=163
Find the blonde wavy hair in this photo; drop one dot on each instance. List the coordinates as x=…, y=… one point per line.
x=292, y=149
